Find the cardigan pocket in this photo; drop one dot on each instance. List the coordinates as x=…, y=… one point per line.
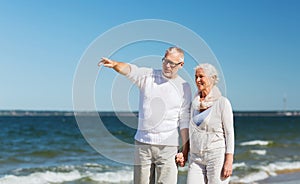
x=201, y=141
x=218, y=137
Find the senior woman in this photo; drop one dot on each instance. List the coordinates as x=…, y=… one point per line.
x=211, y=131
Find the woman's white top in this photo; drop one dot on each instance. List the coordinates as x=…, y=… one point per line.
x=199, y=117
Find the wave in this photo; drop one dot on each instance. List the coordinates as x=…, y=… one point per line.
x=113, y=177
x=84, y=174
x=236, y=165
x=256, y=142
x=281, y=167
x=259, y=152
x=250, y=178
x=41, y=178
x=96, y=173
x=264, y=172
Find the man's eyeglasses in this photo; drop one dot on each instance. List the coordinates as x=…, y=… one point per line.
x=171, y=63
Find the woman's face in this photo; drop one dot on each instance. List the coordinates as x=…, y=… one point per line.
x=203, y=82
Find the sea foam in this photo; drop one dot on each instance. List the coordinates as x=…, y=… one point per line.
x=259, y=152
x=256, y=142
x=280, y=167
x=83, y=172
x=265, y=172
x=41, y=178
x=113, y=177
x=237, y=165
x=251, y=178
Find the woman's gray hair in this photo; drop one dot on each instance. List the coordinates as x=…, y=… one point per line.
x=210, y=71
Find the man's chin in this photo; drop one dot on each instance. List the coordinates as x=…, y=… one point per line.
x=167, y=74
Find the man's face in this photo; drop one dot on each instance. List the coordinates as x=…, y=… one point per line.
x=171, y=63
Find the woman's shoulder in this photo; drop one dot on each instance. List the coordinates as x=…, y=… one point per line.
x=224, y=100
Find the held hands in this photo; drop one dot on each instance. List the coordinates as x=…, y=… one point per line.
x=107, y=62
x=179, y=159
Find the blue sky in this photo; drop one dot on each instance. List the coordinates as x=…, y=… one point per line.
x=257, y=44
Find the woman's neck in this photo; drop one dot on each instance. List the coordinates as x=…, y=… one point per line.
x=204, y=93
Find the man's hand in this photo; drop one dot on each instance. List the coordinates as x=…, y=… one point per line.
x=107, y=62
x=120, y=67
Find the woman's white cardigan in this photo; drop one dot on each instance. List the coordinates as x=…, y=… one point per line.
x=216, y=130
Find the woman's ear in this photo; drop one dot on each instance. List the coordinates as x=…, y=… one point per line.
x=214, y=78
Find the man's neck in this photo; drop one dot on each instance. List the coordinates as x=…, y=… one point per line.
x=171, y=77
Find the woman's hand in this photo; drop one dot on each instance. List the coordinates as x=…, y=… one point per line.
x=227, y=167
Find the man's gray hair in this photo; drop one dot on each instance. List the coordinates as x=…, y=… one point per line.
x=172, y=50
x=210, y=71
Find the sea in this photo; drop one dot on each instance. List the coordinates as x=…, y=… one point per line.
x=55, y=147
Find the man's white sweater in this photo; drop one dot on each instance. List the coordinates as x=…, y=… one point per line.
x=164, y=106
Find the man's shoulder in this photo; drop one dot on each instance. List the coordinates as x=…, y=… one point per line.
x=179, y=79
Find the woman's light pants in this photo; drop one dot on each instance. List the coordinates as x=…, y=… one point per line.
x=206, y=167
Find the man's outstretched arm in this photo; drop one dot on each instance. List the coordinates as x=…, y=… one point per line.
x=120, y=67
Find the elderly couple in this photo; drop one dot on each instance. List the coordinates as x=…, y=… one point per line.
x=205, y=122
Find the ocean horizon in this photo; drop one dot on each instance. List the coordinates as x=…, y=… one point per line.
x=130, y=113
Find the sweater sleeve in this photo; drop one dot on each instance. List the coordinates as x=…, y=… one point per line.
x=184, y=115
x=227, y=119
x=137, y=75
